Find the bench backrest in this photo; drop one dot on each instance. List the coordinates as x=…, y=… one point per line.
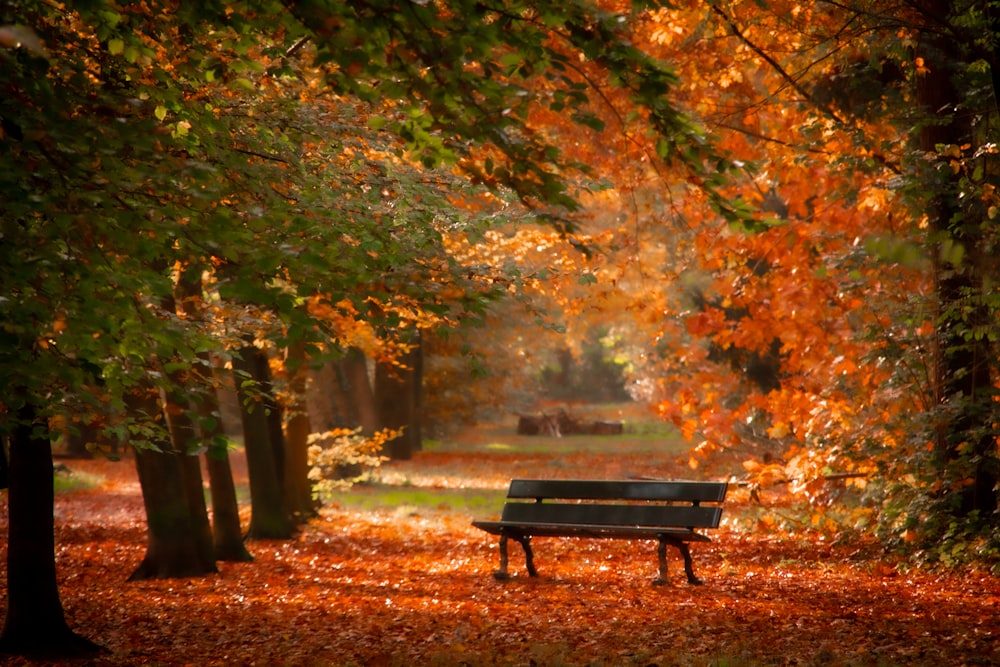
x=629, y=502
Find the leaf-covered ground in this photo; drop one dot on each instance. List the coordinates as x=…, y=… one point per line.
x=412, y=585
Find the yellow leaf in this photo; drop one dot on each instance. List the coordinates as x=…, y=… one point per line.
x=779, y=430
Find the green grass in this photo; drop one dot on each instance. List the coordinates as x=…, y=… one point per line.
x=369, y=497
x=65, y=480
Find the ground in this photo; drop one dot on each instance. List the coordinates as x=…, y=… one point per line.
x=409, y=583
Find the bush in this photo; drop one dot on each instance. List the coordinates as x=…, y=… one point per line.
x=342, y=457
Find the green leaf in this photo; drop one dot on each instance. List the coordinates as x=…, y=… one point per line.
x=116, y=47
x=244, y=84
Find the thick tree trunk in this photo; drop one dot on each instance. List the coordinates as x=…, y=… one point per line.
x=186, y=440
x=966, y=444
x=176, y=545
x=35, y=624
x=269, y=516
x=298, y=488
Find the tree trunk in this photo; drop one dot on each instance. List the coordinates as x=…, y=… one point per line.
x=354, y=367
x=186, y=439
x=269, y=516
x=176, y=545
x=227, y=536
x=4, y=465
x=966, y=445
x=35, y=624
x=298, y=488
x=320, y=402
x=397, y=395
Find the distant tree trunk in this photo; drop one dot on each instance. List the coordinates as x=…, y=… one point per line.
x=76, y=442
x=178, y=544
x=966, y=445
x=398, y=397
x=354, y=367
x=322, y=405
x=564, y=376
x=298, y=488
x=227, y=536
x=35, y=624
x=269, y=516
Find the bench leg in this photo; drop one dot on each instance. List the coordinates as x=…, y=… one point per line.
x=661, y=557
x=661, y=553
x=688, y=566
x=501, y=574
x=529, y=555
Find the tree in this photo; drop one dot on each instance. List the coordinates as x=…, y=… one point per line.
x=861, y=278
x=35, y=623
x=398, y=397
x=958, y=105
x=227, y=535
x=179, y=539
x=265, y=454
x=298, y=489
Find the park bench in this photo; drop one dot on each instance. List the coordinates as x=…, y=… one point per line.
x=665, y=511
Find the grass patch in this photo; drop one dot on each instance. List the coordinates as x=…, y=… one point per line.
x=367, y=497
x=65, y=480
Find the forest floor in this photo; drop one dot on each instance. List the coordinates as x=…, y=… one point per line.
x=383, y=579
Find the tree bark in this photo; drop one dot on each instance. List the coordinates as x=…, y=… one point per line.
x=298, y=489
x=35, y=624
x=177, y=536
x=354, y=367
x=227, y=536
x=398, y=397
x=269, y=516
x=966, y=446
x=185, y=439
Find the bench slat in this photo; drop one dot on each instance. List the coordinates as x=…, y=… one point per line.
x=709, y=492
x=612, y=515
x=584, y=530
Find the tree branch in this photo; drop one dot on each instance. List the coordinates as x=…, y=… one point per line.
x=775, y=65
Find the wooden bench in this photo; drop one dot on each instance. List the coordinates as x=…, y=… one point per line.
x=666, y=511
